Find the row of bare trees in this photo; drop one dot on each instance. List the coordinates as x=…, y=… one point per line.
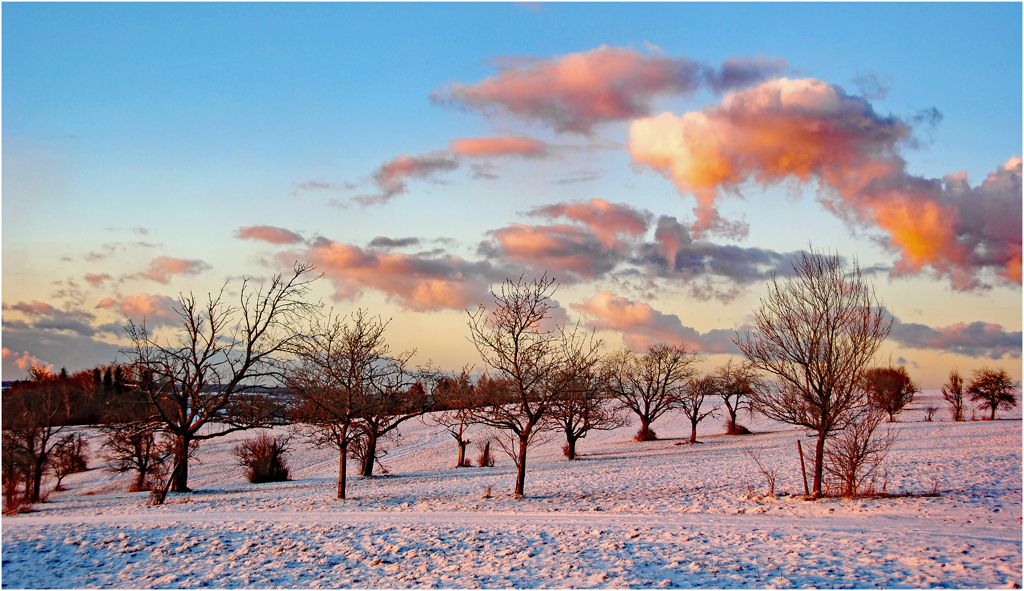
x=815, y=335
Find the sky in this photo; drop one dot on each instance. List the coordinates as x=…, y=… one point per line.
x=661, y=161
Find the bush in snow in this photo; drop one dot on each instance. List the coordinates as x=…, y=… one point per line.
x=854, y=456
x=485, y=460
x=263, y=458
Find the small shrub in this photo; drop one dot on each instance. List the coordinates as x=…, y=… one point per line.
x=736, y=429
x=646, y=434
x=485, y=460
x=929, y=413
x=487, y=492
x=263, y=458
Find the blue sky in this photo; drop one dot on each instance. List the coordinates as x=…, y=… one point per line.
x=133, y=132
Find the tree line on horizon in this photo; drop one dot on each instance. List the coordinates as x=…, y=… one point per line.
x=807, y=363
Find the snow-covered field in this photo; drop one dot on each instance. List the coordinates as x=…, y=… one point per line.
x=624, y=515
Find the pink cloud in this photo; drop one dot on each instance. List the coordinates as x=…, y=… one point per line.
x=24, y=361
x=498, y=146
x=97, y=280
x=813, y=131
x=391, y=176
x=976, y=339
x=271, y=234
x=156, y=310
x=606, y=220
x=577, y=91
x=162, y=268
x=641, y=325
x=35, y=308
x=556, y=248
x=420, y=283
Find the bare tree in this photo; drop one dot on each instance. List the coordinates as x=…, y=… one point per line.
x=993, y=388
x=651, y=384
x=68, y=457
x=35, y=413
x=223, y=356
x=584, y=405
x=531, y=361
x=137, y=447
x=816, y=332
x=339, y=361
x=854, y=456
x=391, y=400
x=734, y=384
x=697, y=391
x=455, y=398
x=889, y=389
x=953, y=393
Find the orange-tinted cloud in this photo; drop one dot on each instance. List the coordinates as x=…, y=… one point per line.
x=419, y=282
x=33, y=308
x=271, y=234
x=162, y=268
x=156, y=310
x=607, y=220
x=97, y=280
x=575, y=92
x=24, y=361
x=498, y=146
x=558, y=248
x=813, y=131
x=641, y=325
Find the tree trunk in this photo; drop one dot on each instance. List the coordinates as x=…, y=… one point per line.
x=993, y=417
x=571, y=442
x=819, y=463
x=693, y=432
x=645, y=433
x=180, y=476
x=732, y=422
x=36, y=481
x=462, y=452
x=341, y=470
x=521, y=466
x=371, y=453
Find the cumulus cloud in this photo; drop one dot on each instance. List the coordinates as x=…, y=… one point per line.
x=24, y=361
x=812, y=131
x=419, y=282
x=155, y=310
x=271, y=234
x=641, y=325
x=975, y=339
x=391, y=176
x=499, y=146
x=162, y=268
x=575, y=92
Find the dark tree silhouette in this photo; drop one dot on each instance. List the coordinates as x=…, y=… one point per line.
x=889, y=389
x=993, y=388
x=953, y=394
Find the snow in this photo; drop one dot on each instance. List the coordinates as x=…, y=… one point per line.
x=626, y=514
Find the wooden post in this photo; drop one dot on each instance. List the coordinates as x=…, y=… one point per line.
x=803, y=468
